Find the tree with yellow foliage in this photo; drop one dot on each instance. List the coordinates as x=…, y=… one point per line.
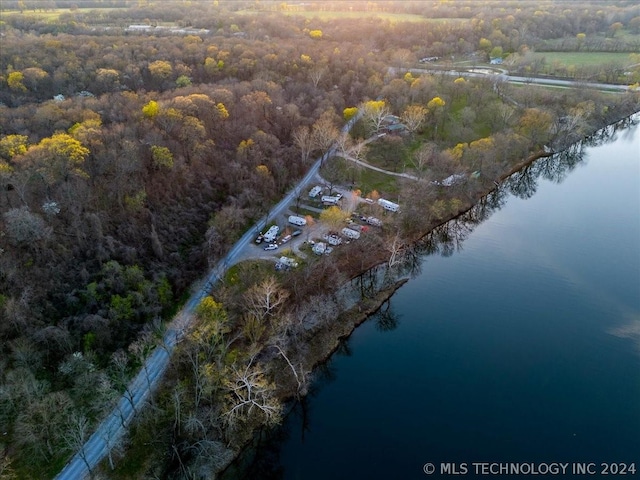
x=333, y=217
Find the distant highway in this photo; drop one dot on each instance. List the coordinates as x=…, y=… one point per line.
x=113, y=427
x=478, y=73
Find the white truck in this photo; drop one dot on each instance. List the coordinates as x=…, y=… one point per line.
x=387, y=205
x=295, y=220
x=271, y=234
x=351, y=234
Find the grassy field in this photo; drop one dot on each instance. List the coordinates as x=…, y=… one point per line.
x=53, y=14
x=581, y=59
x=331, y=15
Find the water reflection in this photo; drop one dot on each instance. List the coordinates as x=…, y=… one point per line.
x=443, y=240
x=386, y=319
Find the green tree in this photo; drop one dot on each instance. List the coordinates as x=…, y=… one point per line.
x=183, y=81
x=162, y=157
x=496, y=52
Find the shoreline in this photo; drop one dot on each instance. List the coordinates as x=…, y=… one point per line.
x=347, y=321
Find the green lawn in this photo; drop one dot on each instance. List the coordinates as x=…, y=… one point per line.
x=580, y=59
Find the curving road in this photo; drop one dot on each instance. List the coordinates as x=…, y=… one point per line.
x=503, y=76
x=113, y=427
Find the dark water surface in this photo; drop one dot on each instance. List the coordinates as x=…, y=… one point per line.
x=524, y=346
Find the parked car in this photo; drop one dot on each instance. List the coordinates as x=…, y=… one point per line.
x=271, y=246
x=295, y=233
x=285, y=239
x=259, y=238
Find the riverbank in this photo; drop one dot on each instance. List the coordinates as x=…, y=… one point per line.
x=322, y=345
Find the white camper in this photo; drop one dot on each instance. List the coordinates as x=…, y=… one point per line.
x=332, y=239
x=329, y=200
x=295, y=220
x=387, y=205
x=319, y=248
x=271, y=234
x=289, y=262
x=315, y=191
x=374, y=221
x=352, y=234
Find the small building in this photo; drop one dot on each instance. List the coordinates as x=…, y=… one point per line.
x=315, y=191
x=396, y=128
x=387, y=205
x=391, y=120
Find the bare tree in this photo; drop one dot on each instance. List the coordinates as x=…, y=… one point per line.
x=316, y=74
x=120, y=365
x=303, y=139
x=114, y=443
x=251, y=394
x=324, y=132
x=75, y=436
x=394, y=245
x=375, y=112
x=414, y=116
x=301, y=376
x=266, y=299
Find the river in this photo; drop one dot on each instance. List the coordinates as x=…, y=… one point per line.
x=522, y=344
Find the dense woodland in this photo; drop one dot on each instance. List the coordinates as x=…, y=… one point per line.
x=130, y=161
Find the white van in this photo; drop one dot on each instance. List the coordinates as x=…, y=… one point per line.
x=271, y=234
x=295, y=220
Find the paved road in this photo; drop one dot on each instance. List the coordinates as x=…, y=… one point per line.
x=517, y=79
x=113, y=427
x=377, y=169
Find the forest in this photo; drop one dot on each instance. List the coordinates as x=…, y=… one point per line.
x=131, y=159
